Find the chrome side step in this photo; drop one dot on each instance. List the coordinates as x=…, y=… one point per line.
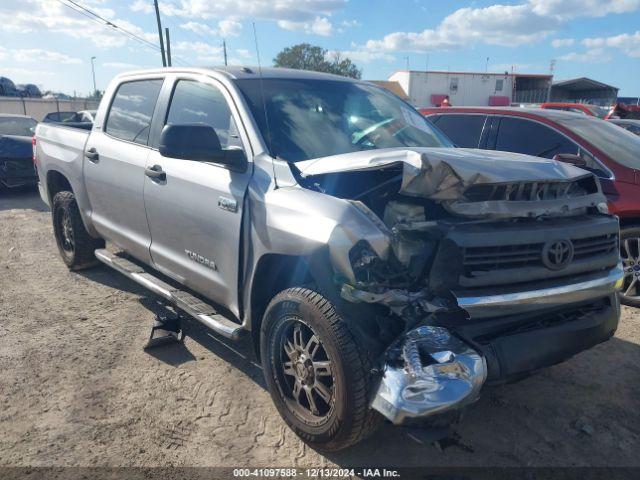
x=201, y=311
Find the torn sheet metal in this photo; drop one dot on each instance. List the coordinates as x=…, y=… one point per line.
x=444, y=174
x=451, y=378
x=396, y=299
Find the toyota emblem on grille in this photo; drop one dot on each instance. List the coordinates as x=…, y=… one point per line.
x=557, y=254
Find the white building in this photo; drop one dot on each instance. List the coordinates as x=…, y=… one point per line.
x=429, y=89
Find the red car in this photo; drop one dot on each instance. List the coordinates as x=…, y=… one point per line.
x=584, y=108
x=586, y=141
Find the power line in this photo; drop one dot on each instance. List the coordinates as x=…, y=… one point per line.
x=109, y=24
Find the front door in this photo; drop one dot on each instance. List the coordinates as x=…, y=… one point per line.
x=116, y=156
x=195, y=209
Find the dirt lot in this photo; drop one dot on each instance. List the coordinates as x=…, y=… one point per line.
x=78, y=389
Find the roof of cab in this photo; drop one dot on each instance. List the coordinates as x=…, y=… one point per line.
x=244, y=72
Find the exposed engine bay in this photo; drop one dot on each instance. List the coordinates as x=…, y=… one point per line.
x=451, y=229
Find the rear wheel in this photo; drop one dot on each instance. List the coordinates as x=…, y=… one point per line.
x=318, y=376
x=75, y=244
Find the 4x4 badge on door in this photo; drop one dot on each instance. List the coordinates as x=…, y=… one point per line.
x=229, y=204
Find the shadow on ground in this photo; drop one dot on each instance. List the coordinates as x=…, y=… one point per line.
x=22, y=198
x=564, y=415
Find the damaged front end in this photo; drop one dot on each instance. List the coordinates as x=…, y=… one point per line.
x=427, y=372
x=459, y=225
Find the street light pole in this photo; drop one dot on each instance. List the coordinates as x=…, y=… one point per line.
x=164, y=60
x=93, y=74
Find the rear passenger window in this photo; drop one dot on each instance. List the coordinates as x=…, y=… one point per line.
x=463, y=130
x=524, y=136
x=195, y=102
x=132, y=109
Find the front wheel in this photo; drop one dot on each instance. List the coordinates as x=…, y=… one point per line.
x=630, y=253
x=75, y=244
x=317, y=374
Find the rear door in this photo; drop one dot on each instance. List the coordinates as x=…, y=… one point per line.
x=116, y=155
x=464, y=129
x=524, y=135
x=195, y=212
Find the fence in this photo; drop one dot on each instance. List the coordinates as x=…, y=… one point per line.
x=39, y=107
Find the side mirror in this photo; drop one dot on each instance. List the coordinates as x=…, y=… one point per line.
x=571, y=158
x=199, y=143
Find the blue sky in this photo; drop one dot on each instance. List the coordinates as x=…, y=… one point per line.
x=48, y=43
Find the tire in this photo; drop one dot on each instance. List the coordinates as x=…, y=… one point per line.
x=75, y=245
x=346, y=418
x=630, y=253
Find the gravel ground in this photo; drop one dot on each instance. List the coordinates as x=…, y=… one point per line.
x=79, y=390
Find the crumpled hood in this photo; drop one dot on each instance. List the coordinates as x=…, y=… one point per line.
x=443, y=174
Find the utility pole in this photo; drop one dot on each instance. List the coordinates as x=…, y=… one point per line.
x=166, y=31
x=93, y=74
x=164, y=60
x=486, y=66
x=407, y=59
x=224, y=49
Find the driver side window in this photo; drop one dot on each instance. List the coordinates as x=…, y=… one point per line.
x=196, y=102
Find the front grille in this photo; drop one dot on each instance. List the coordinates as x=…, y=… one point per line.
x=531, y=191
x=504, y=257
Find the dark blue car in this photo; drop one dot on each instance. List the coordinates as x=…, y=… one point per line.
x=16, y=165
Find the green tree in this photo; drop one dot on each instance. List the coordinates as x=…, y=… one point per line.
x=305, y=56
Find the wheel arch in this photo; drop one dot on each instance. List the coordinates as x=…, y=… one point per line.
x=274, y=273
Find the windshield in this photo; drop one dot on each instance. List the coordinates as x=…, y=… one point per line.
x=24, y=127
x=319, y=118
x=597, y=111
x=617, y=143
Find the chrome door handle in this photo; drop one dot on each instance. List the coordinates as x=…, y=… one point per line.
x=155, y=172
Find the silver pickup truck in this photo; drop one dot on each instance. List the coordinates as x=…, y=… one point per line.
x=380, y=272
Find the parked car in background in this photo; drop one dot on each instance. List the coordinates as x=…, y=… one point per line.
x=583, y=108
x=632, y=125
x=29, y=90
x=599, y=146
x=81, y=119
x=380, y=271
x=8, y=88
x=16, y=151
x=624, y=111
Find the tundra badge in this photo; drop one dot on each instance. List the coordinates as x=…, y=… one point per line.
x=200, y=259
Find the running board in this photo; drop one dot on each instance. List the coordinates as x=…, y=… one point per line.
x=201, y=311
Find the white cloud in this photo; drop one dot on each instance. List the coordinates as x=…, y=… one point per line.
x=350, y=23
x=504, y=25
x=292, y=10
x=319, y=26
x=202, y=51
x=627, y=43
x=562, y=42
x=122, y=66
x=226, y=28
x=244, y=53
x=568, y=9
x=198, y=28
x=594, y=55
x=32, y=16
x=229, y=28
x=141, y=6
x=36, y=55
x=363, y=56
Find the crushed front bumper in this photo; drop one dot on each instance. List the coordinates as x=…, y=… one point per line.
x=436, y=372
x=434, y=369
